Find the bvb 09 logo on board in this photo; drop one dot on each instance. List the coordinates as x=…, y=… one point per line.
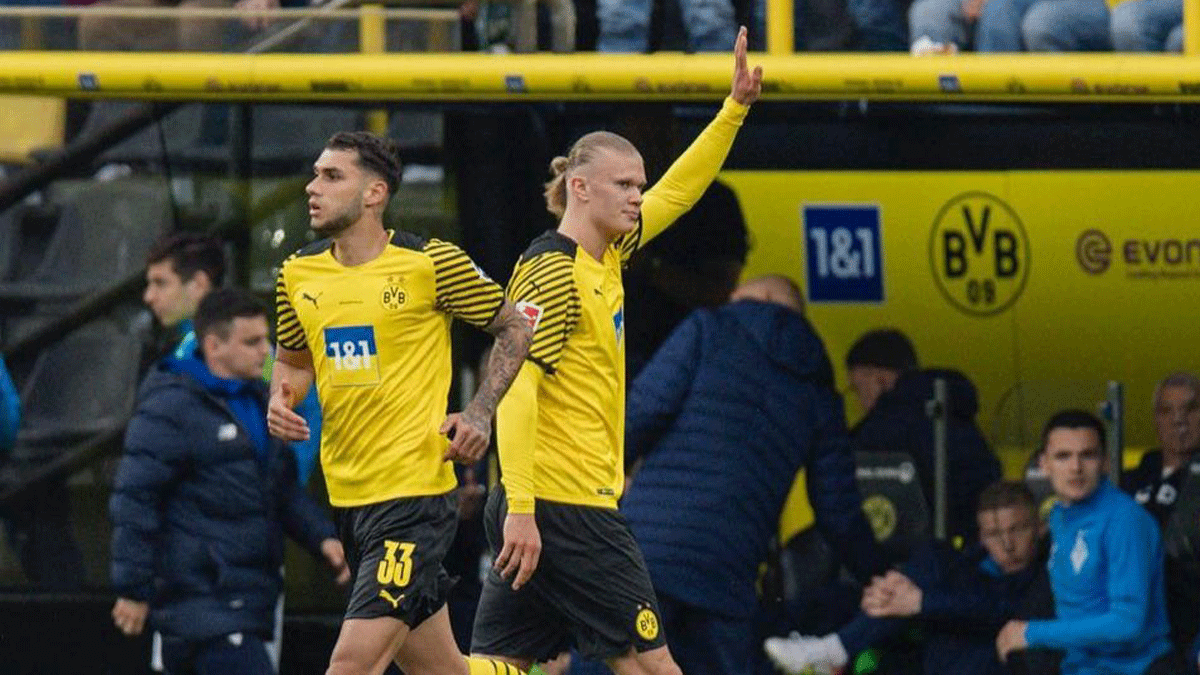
x=979, y=253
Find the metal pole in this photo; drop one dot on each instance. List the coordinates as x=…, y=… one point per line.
x=780, y=19
x=937, y=410
x=372, y=40
x=1191, y=27
x=1114, y=413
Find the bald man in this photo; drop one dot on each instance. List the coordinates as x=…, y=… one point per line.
x=734, y=403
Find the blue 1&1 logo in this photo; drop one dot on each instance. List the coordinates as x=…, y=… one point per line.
x=843, y=253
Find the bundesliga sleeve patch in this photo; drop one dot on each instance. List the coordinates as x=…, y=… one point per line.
x=531, y=313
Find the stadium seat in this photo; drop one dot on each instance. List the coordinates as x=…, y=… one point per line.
x=893, y=501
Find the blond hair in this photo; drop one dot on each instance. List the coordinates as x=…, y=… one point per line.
x=582, y=152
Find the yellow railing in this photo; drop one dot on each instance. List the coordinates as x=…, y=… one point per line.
x=377, y=76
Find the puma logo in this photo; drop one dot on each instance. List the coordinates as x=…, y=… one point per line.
x=312, y=299
x=388, y=596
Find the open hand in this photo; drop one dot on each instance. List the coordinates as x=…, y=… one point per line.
x=522, y=548
x=747, y=84
x=282, y=421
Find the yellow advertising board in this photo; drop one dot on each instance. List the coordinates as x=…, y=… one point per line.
x=1041, y=286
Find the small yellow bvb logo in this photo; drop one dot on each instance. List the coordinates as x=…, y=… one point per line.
x=881, y=513
x=647, y=624
x=393, y=293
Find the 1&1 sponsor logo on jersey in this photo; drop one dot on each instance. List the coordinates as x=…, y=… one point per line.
x=843, y=253
x=353, y=355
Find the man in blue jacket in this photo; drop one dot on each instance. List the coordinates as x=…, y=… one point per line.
x=893, y=390
x=734, y=403
x=202, y=496
x=960, y=599
x=1106, y=565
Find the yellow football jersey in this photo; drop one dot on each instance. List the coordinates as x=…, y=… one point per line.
x=379, y=334
x=561, y=427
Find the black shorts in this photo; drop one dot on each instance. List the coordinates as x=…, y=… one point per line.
x=395, y=551
x=590, y=589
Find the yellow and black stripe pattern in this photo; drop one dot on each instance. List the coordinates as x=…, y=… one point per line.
x=628, y=243
x=463, y=290
x=543, y=288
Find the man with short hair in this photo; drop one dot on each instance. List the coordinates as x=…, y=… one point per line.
x=893, y=391
x=960, y=598
x=365, y=313
x=736, y=401
x=1106, y=565
x=1158, y=483
x=201, y=500
x=181, y=269
x=561, y=430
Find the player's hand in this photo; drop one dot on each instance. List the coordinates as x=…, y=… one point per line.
x=336, y=558
x=469, y=435
x=972, y=9
x=522, y=548
x=747, y=84
x=130, y=615
x=897, y=596
x=1010, y=639
x=282, y=421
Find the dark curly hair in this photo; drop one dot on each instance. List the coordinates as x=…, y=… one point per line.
x=377, y=154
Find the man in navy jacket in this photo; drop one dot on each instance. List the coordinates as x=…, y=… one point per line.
x=734, y=403
x=202, y=496
x=960, y=599
x=893, y=391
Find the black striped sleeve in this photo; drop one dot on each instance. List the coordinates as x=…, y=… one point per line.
x=463, y=290
x=289, y=334
x=543, y=290
x=628, y=243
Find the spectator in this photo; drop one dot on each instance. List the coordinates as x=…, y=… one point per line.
x=200, y=499
x=1157, y=483
x=625, y=25
x=881, y=24
x=120, y=33
x=1105, y=566
x=736, y=401
x=960, y=599
x=893, y=390
x=948, y=26
x=1063, y=25
x=1147, y=26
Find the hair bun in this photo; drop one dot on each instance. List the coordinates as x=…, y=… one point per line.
x=558, y=165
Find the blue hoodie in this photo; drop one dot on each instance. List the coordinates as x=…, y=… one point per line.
x=242, y=397
x=1106, y=569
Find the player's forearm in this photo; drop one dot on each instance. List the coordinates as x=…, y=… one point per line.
x=516, y=436
x=691, y=174
x=513, y=337
x=298, y=378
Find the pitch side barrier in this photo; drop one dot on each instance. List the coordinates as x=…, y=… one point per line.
x=1012, y=78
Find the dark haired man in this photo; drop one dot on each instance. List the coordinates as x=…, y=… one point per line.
x=1106, y=565
x=201, y=498
x=893, y=391
x=366, y=314
x=181, y=269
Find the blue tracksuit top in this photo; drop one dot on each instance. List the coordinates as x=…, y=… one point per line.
x=1106, y=570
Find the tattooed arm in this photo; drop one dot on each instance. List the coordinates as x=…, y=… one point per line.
x=473, y=426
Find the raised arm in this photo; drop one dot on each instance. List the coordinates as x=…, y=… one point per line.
x=690, y=175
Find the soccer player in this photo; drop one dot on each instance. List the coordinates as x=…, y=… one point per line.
x=366, y=314
x=561, y=427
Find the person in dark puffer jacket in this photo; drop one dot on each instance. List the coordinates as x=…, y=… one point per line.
x=736, y=401
x=893, y=391
x=202, y=497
